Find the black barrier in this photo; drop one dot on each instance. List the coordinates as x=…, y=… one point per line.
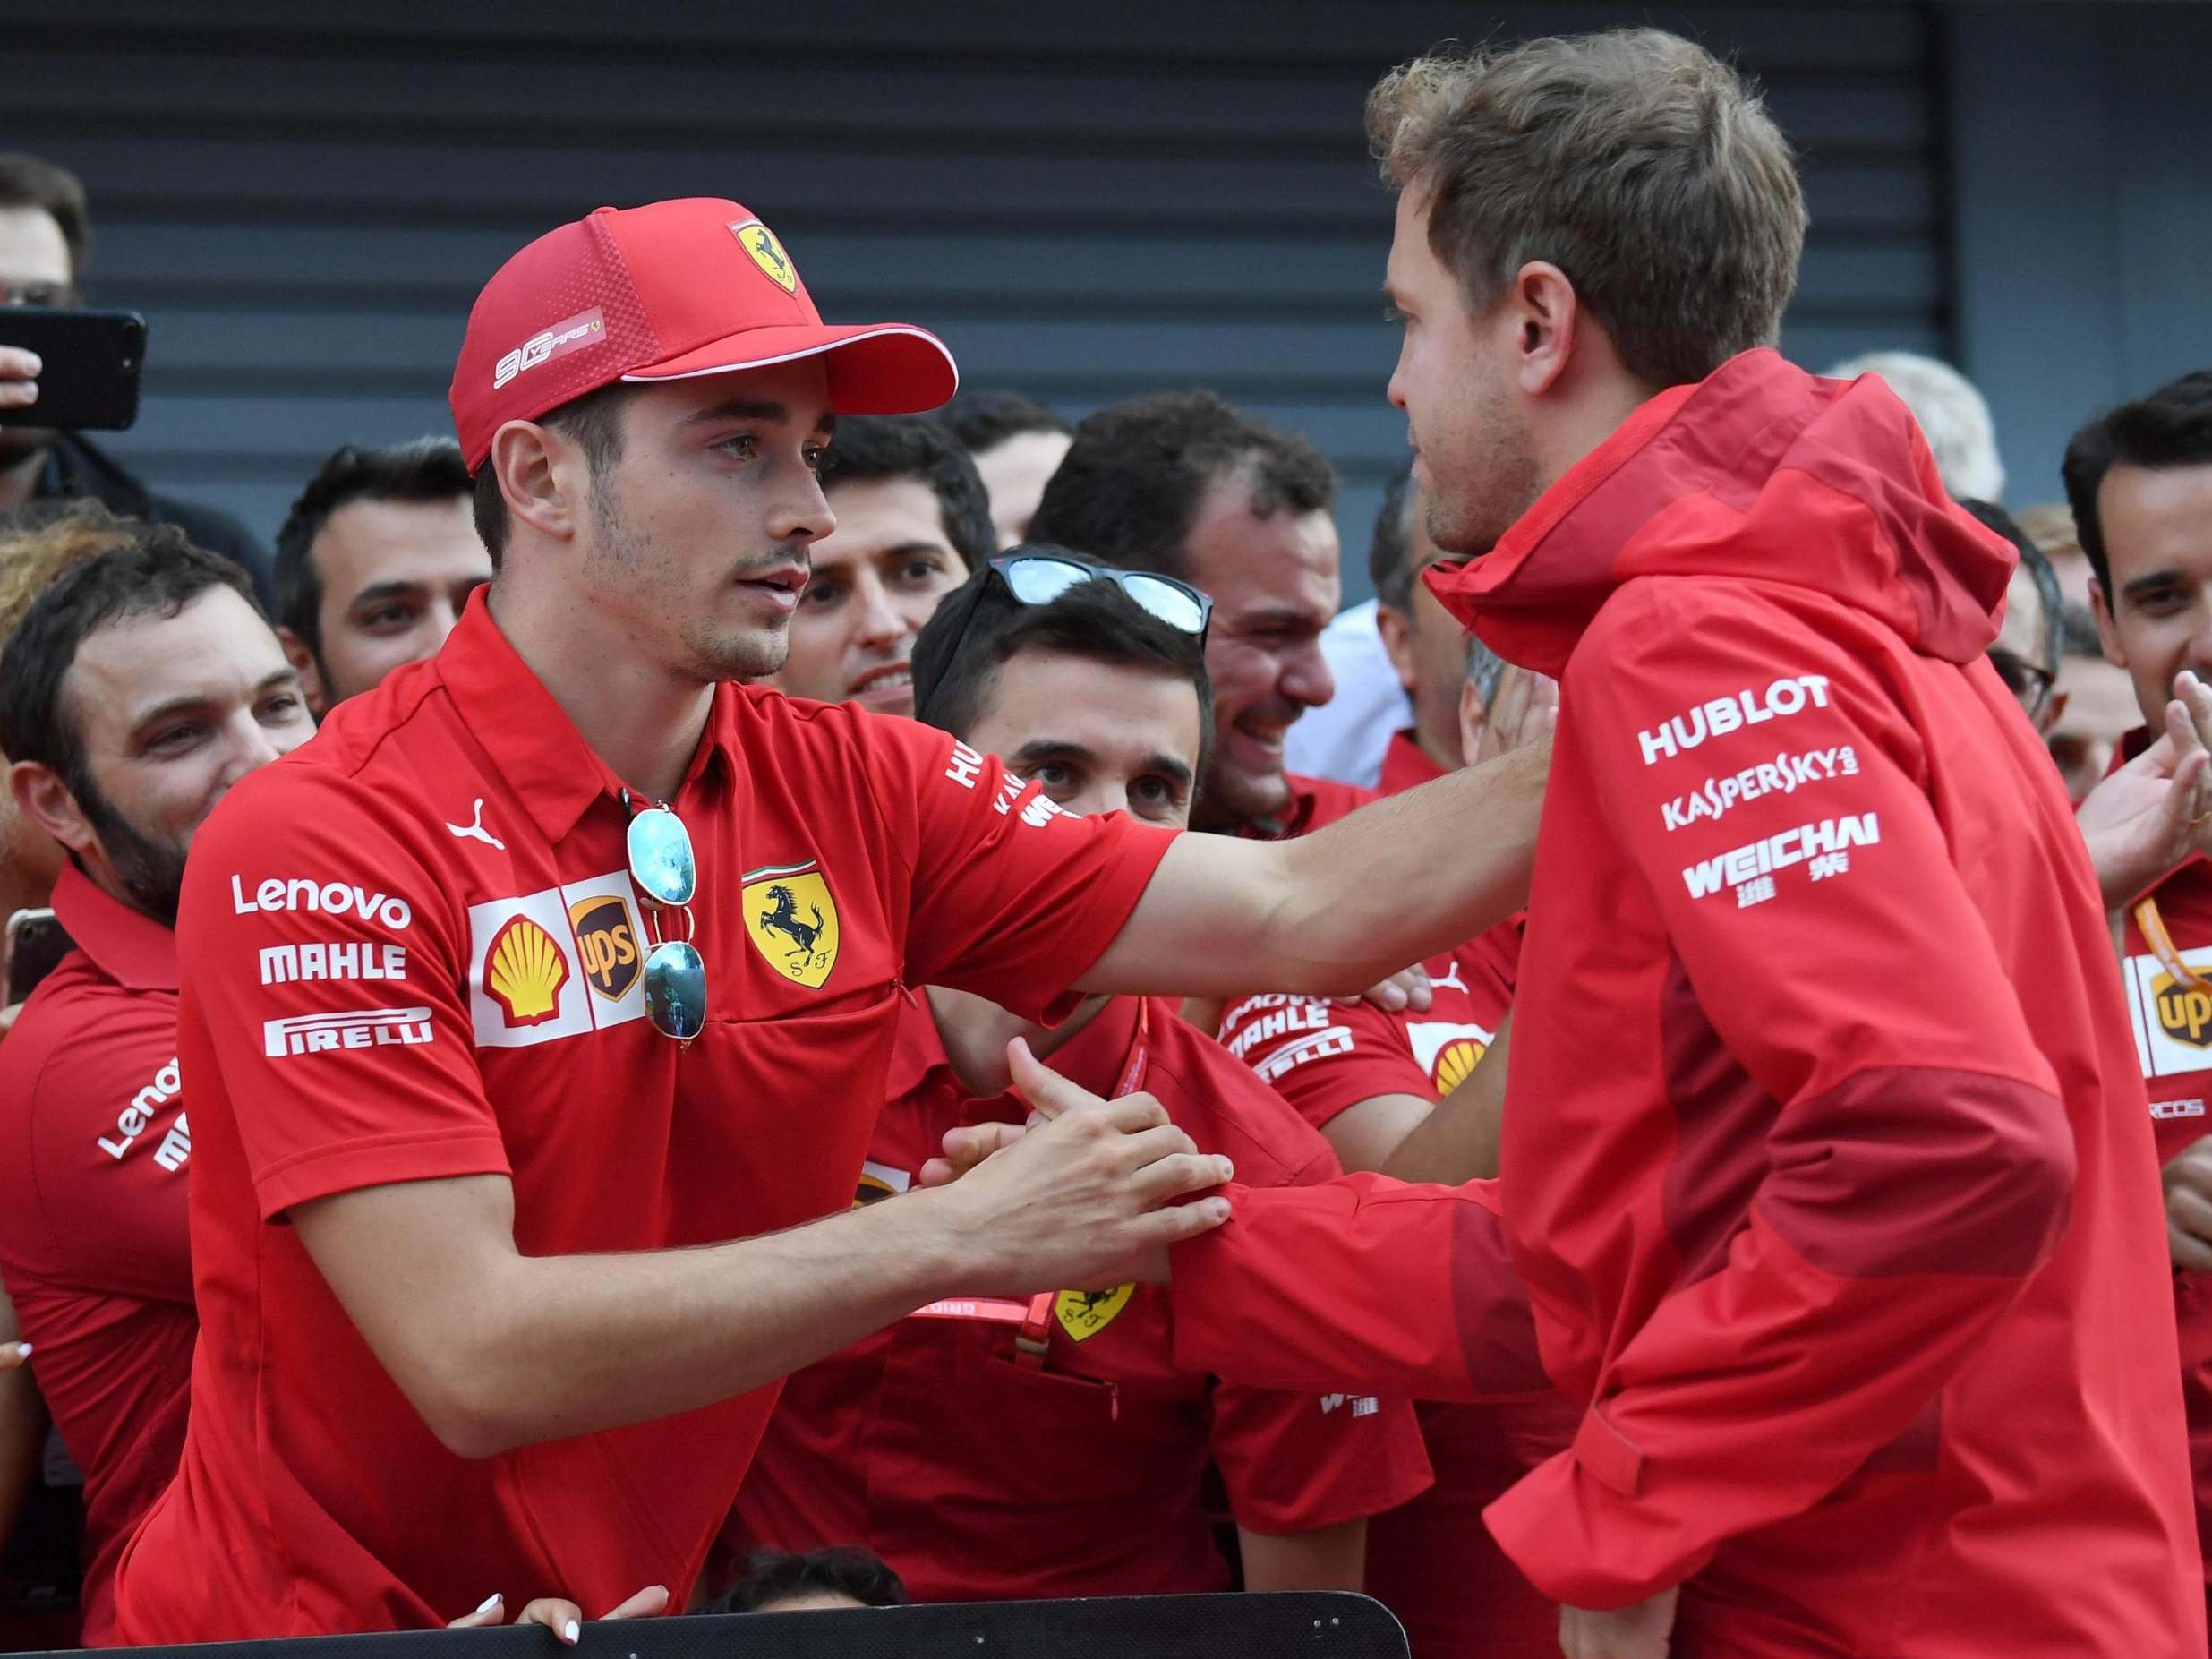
x=1332, y=1625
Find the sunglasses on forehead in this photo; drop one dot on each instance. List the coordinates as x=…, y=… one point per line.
x=667, y=878
x=1039, y=578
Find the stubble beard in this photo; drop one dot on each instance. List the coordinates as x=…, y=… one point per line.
x=149, y=871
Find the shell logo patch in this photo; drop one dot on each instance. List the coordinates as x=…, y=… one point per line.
x=1084, y=1313
x=757, y=240
x=2184, y=1013
x=792, y=920
x=878, y=1182
x=1456, y=1064
x=523, y=971
x=608, y=939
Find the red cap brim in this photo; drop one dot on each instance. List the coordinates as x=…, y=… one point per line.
x=879, y=368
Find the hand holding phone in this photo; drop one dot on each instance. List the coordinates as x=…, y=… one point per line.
x=71, y=370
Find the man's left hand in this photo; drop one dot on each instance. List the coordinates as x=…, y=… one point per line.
x=2155, y=811
x=1643, y=1632
x=1409, y=988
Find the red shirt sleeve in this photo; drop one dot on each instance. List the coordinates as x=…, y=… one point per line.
x=1322, y=1056
x=109, y=1141
x=1013, y=898
x=340, y=1082
x=1918, y=1157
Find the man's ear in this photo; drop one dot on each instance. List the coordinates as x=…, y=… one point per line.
x=2054, y=711
x=1545, y=314
x=1474, y=716
x=543, y=477
x=1396, y=629
x=42, y=796
x=301, y=656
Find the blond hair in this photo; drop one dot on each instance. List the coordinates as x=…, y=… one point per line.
x=38, y=543
x=1643, y=166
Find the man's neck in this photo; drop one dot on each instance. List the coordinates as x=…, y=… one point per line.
x=640, y=718
x=19, y=478
x=975, y=1032
x=1596, y=412
x=1443, y=754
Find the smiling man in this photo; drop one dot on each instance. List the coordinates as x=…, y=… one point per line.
x=375, y=564
x=912, y=521
x=541, y=1008
x=1187, y=485
x=136, y=691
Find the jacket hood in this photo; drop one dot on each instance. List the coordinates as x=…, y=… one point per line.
x=1760, y=471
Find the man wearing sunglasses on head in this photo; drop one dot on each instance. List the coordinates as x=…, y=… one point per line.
x=560, y=960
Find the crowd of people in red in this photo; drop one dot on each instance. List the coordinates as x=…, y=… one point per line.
x=760, y=1015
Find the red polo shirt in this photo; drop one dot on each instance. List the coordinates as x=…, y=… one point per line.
x=983, y=1477
x=1405, y=764
x=1432, y=1563
x=2173, y=1041
x=1315, y=803
x=414, y=954
x=93, y=1245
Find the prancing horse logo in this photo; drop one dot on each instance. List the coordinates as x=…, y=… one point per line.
x=783, y=917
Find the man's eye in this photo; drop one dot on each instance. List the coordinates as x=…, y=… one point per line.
x=817, y=456
x=282, y=706
x=744, y=446
x=1052, y=774
x=2165, y=602
x=822, y=595
x=923, y=568
x=173, y=739
x=388, y=616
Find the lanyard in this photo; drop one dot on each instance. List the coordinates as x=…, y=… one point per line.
x=1034, y=1316
x=2153, y=927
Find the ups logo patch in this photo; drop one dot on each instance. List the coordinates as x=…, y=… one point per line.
x=1084, y=1313
x=2185, y=1011
x=607, y=935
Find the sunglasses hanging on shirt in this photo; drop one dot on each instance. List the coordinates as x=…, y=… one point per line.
x=666, y=874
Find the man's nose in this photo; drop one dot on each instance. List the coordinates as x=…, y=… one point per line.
x=1306, y=679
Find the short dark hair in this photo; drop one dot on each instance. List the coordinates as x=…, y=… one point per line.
x=869, y=447
x=2037, y=564
x=426, y=469
x=980, y=625
x=157, y=572
x=594, y=420
x=2172, y=427
x=28, y=181
x=1131, y=484
x=985, y=419
x=772, y=1576
x=1389, y=566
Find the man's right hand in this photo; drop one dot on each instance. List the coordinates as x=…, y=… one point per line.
x=1086, y=1197
x=2188, y=1183
x=19, y=377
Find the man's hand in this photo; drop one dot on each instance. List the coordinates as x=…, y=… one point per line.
x=1086, y=1196
x=1409, y=988
x=1523, y=710
x=19, y=377
x=2187, y=1182
x=2155, y=811
x=1643, y=1632
x=564, y=1618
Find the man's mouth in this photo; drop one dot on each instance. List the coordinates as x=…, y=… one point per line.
x=781, y=587
x=887, y=683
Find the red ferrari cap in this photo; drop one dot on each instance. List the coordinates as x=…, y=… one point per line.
x=664, y=292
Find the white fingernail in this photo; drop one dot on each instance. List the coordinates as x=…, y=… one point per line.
x=489, y=1602
x=22, y=1350
x=573, y=1631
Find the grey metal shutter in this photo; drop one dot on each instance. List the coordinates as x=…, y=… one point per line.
x=1087, y=200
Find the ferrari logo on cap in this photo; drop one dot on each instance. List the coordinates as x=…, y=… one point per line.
x=757, y=240
x=792, y=920
x=523, y=971
x=1084, y=1313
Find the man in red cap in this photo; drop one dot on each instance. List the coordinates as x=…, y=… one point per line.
x=561, y=961
x=1825, y=1163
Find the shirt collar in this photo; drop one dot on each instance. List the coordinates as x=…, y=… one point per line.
x=529, y=737
x=128, y=945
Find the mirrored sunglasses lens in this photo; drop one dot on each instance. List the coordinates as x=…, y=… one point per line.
x=1168, y=601
x=675, y=990
x=660, y=860
x=1040, y=581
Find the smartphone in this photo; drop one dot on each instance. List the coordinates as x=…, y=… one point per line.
x=90, y=363
x=36, y=945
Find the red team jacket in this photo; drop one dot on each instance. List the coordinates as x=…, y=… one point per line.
x=2173, y=1041
x=1432, y=1561
x=431, y=968
x=1835, y=1204
x=94, y=1248
x=980, y=1476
